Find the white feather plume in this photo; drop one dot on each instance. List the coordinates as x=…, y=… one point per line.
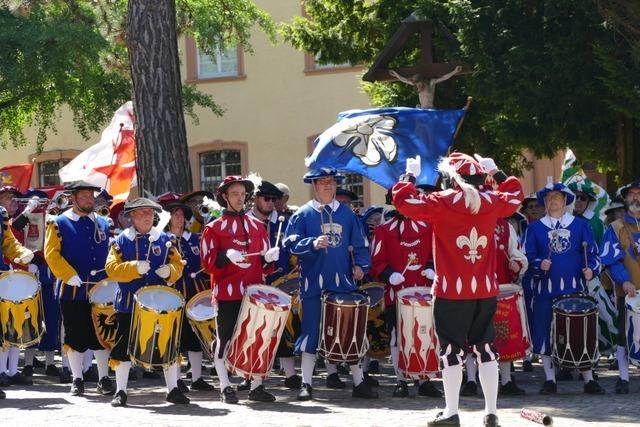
x=256, y=179
x=471, y=193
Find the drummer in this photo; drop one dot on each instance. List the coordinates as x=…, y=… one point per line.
x=265, y=196
x=188, y=245
x=10, y=249
x=224, y=244
x=554, y=248
x=137, y=258
x=401, y=256
x=77, y=243
x=620, y=252
x=320, y=234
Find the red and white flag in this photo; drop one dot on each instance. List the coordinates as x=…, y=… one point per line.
x=111, y=163
x=18, y=176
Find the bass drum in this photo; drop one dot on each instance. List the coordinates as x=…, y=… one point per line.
x=21, y=311
x=201, y=318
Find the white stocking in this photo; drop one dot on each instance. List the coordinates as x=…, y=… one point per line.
x=308, y=364
x=195, y=359
x=489, y=380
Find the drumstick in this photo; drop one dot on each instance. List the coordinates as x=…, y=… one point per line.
x=536, y=416
x=94, y=272
x=326, y=250
x=584, y=249
x=151, y=240
x=166, y=254
x=281, y=221
x=253, y=254
x=411, y=260
x=193, y=275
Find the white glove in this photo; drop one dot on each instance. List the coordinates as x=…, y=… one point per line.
x=32, y=268
x=75, y=282
x=235, y=256
x=487, y=164
x=24, y=259
x=428, y=273
x=163, y=271
x=143, y=267
x=32, y=204
x=414, y=166
x=272, y=255
x=396, y=278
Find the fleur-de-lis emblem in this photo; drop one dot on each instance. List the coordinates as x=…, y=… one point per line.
x=473, y=242
x=371, y=140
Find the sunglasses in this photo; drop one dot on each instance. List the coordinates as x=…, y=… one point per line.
x=269, y=199
x=583, y=198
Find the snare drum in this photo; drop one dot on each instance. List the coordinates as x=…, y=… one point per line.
x=343, y=327
x=21, y=311
x=155, y=326
x=632, y=328
x=513, y=340
x=202, y=320
x=377, y=334
x=103, y=313
x=417, y=341
x=574, y=332
x=262, y=318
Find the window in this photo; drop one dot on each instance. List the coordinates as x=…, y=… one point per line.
x=354, y=182
x=222, y=64
x=48, y=172
x=311, y=66
x=216, y=165
x=329, y=65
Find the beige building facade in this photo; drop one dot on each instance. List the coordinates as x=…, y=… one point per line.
x=276, y=101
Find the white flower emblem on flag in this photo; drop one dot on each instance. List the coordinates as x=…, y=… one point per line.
x=370, y=139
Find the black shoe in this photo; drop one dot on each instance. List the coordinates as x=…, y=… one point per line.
x=294, y=382
x=133, y=375
x=453, y=420
x=371, y=382
x=65, y=376
x=120, y=399
x=183, y=387
x=259, y=394
x=105, y=386
x=622, y=386
x=52, y=371
x=564, y=375
x=592, y=387
x=2, y=395
x=401, y=390
x=176, y=396
x=613, y=366
x=343, y=369
x=334, y=381
x=510, y=389
x=90, y=375
x=201, y=385
x=4, y=380
x=527, y=366
x=549, y=387
x=228, y=395
x=244, y=385
x=364, y=391
x=151, y=375
x=374, y=366
x=469, y=389
x=77, y=387
x=306, y=392
x=491, y=420
x=27, y=371
x=429, y=390
x=37, y=363
x=595, y=376
x=20, y=379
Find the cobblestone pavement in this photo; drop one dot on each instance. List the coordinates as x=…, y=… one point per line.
x=49, y=403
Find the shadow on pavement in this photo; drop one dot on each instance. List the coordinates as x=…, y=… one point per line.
x=37, y=404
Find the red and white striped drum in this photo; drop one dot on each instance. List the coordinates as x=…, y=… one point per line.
x=417, y=340
x=343, y=327
x=262, y=318
x=513, y=340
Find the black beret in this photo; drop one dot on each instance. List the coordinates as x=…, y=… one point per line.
x=268, y=189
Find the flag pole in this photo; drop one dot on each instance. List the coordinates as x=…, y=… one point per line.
x=455, y=135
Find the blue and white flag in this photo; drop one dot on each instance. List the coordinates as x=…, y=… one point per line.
x=375, y=143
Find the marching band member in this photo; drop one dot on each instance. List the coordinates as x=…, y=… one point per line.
x=224, y=244
x=401, y=257
x=465, y=287
x=126, y=264
x=264, y=210
x=188, y=245
x=10, y=249
x=280, y=204
x=194, y=201
x=320, y=234
x=619, y=252
x=583, y=207
x=76, y=243
x=554, y=248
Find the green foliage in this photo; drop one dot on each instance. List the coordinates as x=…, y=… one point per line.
x=544, y=75
x=73, y=53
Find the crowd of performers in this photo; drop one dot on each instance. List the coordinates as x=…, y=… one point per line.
x=471, y=274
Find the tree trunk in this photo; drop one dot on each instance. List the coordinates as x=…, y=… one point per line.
x=628, y=152
x=161, y=136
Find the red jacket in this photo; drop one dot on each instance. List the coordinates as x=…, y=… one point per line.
x=233, y=231
x=393, y=242
x=508, y=249
x=464, y=247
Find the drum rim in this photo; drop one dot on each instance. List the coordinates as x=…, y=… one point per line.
x=95, y=288
x=149, y=288
x=402, y=293
x=268, y=288
x=202, y=295
x=9, y=273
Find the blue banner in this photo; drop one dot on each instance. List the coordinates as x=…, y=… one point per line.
x=375, y=143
